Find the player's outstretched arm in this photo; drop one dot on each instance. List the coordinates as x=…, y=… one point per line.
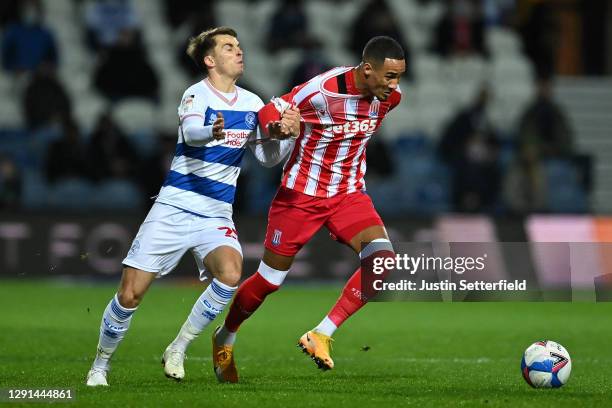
x=276, y=135
x=269, y=152
x=196, y=134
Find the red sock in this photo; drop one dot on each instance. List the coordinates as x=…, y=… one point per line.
x=349, y=302
x=248, y=297
x=354, y=295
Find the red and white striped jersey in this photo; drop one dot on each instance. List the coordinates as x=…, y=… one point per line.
x=329, y=155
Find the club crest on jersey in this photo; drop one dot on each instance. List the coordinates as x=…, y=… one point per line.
x=251, y=120
x=374, y=107
x=276, y=237
x=212, y=118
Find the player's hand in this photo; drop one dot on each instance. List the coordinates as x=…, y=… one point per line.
x=288, y=126
x=290, y=122
x=274, y=131
x=217, y=130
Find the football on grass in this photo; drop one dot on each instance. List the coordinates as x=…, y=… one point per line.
x=546, y=364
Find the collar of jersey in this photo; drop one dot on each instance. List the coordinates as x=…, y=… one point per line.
x=230, y=102
x=333, y=73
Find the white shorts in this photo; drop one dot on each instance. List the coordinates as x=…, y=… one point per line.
x=168, y=232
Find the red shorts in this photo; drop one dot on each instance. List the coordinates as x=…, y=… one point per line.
x=295, y=217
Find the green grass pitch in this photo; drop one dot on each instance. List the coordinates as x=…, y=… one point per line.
x=420, y=354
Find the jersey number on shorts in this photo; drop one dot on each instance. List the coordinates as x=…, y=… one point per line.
x=229, y=232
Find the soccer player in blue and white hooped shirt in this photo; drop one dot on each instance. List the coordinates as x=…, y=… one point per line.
x=193, y=210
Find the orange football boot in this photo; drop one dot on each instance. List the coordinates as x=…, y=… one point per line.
x=318, y=347
x=223, y=361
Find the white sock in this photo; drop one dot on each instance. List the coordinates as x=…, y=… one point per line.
x=208, y=306
x=326, y=327
x=225, y=336
x=115, y=323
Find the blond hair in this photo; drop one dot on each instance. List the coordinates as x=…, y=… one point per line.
x=202, y=44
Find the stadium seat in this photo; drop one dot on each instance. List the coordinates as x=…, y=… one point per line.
x=34, y=195
x=37, y=145
x=59, y=7
x=563, y=190
x=403, y=119
x=465, y=76
x=509, y=101
x=427, y=67
x=117, y=195
x=16, y=144
x=88, y=110
x=157, y=37
x=434, y=108
x=502, y=41
x=6, y=84
x=414, y=144
x=234, y=13
x=71, y=194
x=135, y=115
x=429, y=14
x=10, y=113
x=387, y=197
x=512, y=68
x=429, y=184
x=328, y=23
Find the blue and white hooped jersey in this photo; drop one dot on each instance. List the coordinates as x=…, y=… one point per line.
x=202, y=180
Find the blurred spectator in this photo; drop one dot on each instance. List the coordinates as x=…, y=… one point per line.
x=288, y=27
x=45, y=100
x=28, y=43
x=107, y=20
x=596, y=36
x=544, y=133
x=470, y=147
x=376, y=19
x=544, y=130
x=539, y=32
x=9, y=12
x=461, y=30
x=110, y=154
x=184, y=11
x=312, y=64
x=124, y=71
x=66, y=156
x=379, y=161
x=525, y=187
x=155, y=168
x=10, y=184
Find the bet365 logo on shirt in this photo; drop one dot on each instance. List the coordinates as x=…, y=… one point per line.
x=355, y=126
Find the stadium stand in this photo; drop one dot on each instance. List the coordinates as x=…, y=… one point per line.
x=440, y=87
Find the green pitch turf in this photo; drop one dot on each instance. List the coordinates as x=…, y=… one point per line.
x=418, y=354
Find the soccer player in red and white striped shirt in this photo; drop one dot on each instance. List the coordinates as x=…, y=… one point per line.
x=323, y=185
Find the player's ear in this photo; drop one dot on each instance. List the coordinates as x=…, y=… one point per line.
x=367, y=69
x=209, y=61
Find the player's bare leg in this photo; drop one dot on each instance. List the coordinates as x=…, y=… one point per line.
x=225, y=264
x=317, y=342
x=116, y=321
x=250, y=295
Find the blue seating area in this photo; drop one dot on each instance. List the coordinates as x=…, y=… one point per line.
x=565, y=193
x=420, y=184
x=27, y=150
